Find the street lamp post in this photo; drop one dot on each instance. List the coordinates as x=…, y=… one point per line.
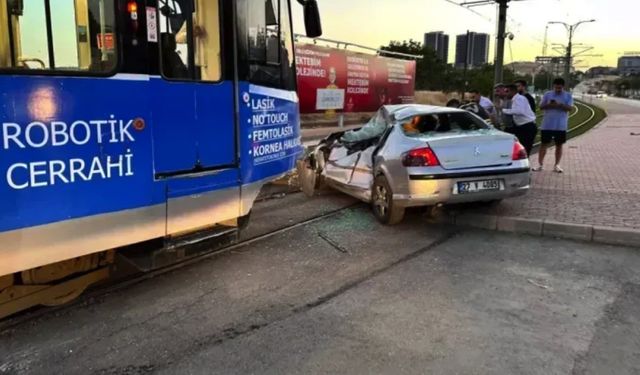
x=568, y=56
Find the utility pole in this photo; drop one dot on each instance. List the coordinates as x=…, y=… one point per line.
x=503, y=5
x=569, y=52
x=502, y=29
x=466, y=63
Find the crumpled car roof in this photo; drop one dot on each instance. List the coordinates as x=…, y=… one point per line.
x=403, y=111
x=397, y=113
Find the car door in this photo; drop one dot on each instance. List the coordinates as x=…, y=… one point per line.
x=340, y=164
x=362, y=172
x=353, y=164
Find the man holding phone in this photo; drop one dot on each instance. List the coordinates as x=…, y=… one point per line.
x=556, y=105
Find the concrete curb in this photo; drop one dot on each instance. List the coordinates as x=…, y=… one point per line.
x=545, y=228
x=548, y=228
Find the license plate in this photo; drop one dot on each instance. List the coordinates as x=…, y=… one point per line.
x=479, y=186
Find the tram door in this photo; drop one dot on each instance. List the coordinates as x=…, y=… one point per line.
x=193, y=106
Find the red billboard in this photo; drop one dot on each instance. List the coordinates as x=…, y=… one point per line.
x=366, y=81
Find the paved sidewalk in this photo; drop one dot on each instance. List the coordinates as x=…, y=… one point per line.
x=600, y=186
x=601, y=183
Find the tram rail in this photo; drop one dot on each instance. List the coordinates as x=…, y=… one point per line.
x=114, y=284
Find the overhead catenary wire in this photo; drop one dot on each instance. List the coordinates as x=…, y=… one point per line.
x=486, y=18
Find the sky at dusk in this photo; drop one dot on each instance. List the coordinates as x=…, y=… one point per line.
x=376, y=22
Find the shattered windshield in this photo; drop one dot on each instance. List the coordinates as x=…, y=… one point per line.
x=373, y=129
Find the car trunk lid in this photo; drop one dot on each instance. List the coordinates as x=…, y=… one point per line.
x=472, y=149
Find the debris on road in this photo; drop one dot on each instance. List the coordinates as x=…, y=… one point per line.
x=533, y=282
x=333, y=243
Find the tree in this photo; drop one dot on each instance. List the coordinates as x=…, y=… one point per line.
x=430, y=71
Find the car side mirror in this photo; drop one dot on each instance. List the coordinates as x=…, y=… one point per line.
x=312, y=22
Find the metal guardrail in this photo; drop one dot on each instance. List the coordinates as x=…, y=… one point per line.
x=348, y=44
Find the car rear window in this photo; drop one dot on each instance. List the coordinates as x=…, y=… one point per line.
x=443, y=123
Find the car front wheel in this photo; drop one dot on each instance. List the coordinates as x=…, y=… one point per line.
x=382, y=203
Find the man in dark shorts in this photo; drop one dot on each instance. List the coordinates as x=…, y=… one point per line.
x=556, y=105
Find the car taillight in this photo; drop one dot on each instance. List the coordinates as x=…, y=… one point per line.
x=519, y=153
x=420, y=157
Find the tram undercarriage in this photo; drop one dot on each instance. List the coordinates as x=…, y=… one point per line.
x=60, y=283
x=53, y=284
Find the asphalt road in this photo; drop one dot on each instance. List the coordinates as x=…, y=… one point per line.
x=612, y=104
x=346, y=295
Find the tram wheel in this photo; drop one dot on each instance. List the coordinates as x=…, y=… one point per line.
x=5, y=282
x=54, y=284
x=65, y=295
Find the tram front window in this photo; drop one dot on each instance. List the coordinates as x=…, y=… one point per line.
x=190, y=39
x=61, y=35
x=269, y=42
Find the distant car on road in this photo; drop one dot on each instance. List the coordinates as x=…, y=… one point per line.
x=416, y=155
x=601, y=94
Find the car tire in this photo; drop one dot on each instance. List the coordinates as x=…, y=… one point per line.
x=382, y=204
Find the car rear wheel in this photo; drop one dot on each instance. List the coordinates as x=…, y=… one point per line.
x=384, y=208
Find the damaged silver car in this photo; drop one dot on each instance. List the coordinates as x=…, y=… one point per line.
x=417, y=155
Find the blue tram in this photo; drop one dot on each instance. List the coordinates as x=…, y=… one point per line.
x=129, y=123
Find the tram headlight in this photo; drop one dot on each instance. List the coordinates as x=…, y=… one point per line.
x=42, y=104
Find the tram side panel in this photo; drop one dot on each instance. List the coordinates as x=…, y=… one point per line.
x=84, y=172
x=269, y=134
x=269, y=120
x=78, y=169
x=93, y=164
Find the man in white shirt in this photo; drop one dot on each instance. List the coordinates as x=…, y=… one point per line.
x=524, y=119
x=484, y=102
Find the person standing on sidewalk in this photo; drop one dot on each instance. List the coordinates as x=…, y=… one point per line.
x=524, y=119
x=522, y=90
x=556, y=105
